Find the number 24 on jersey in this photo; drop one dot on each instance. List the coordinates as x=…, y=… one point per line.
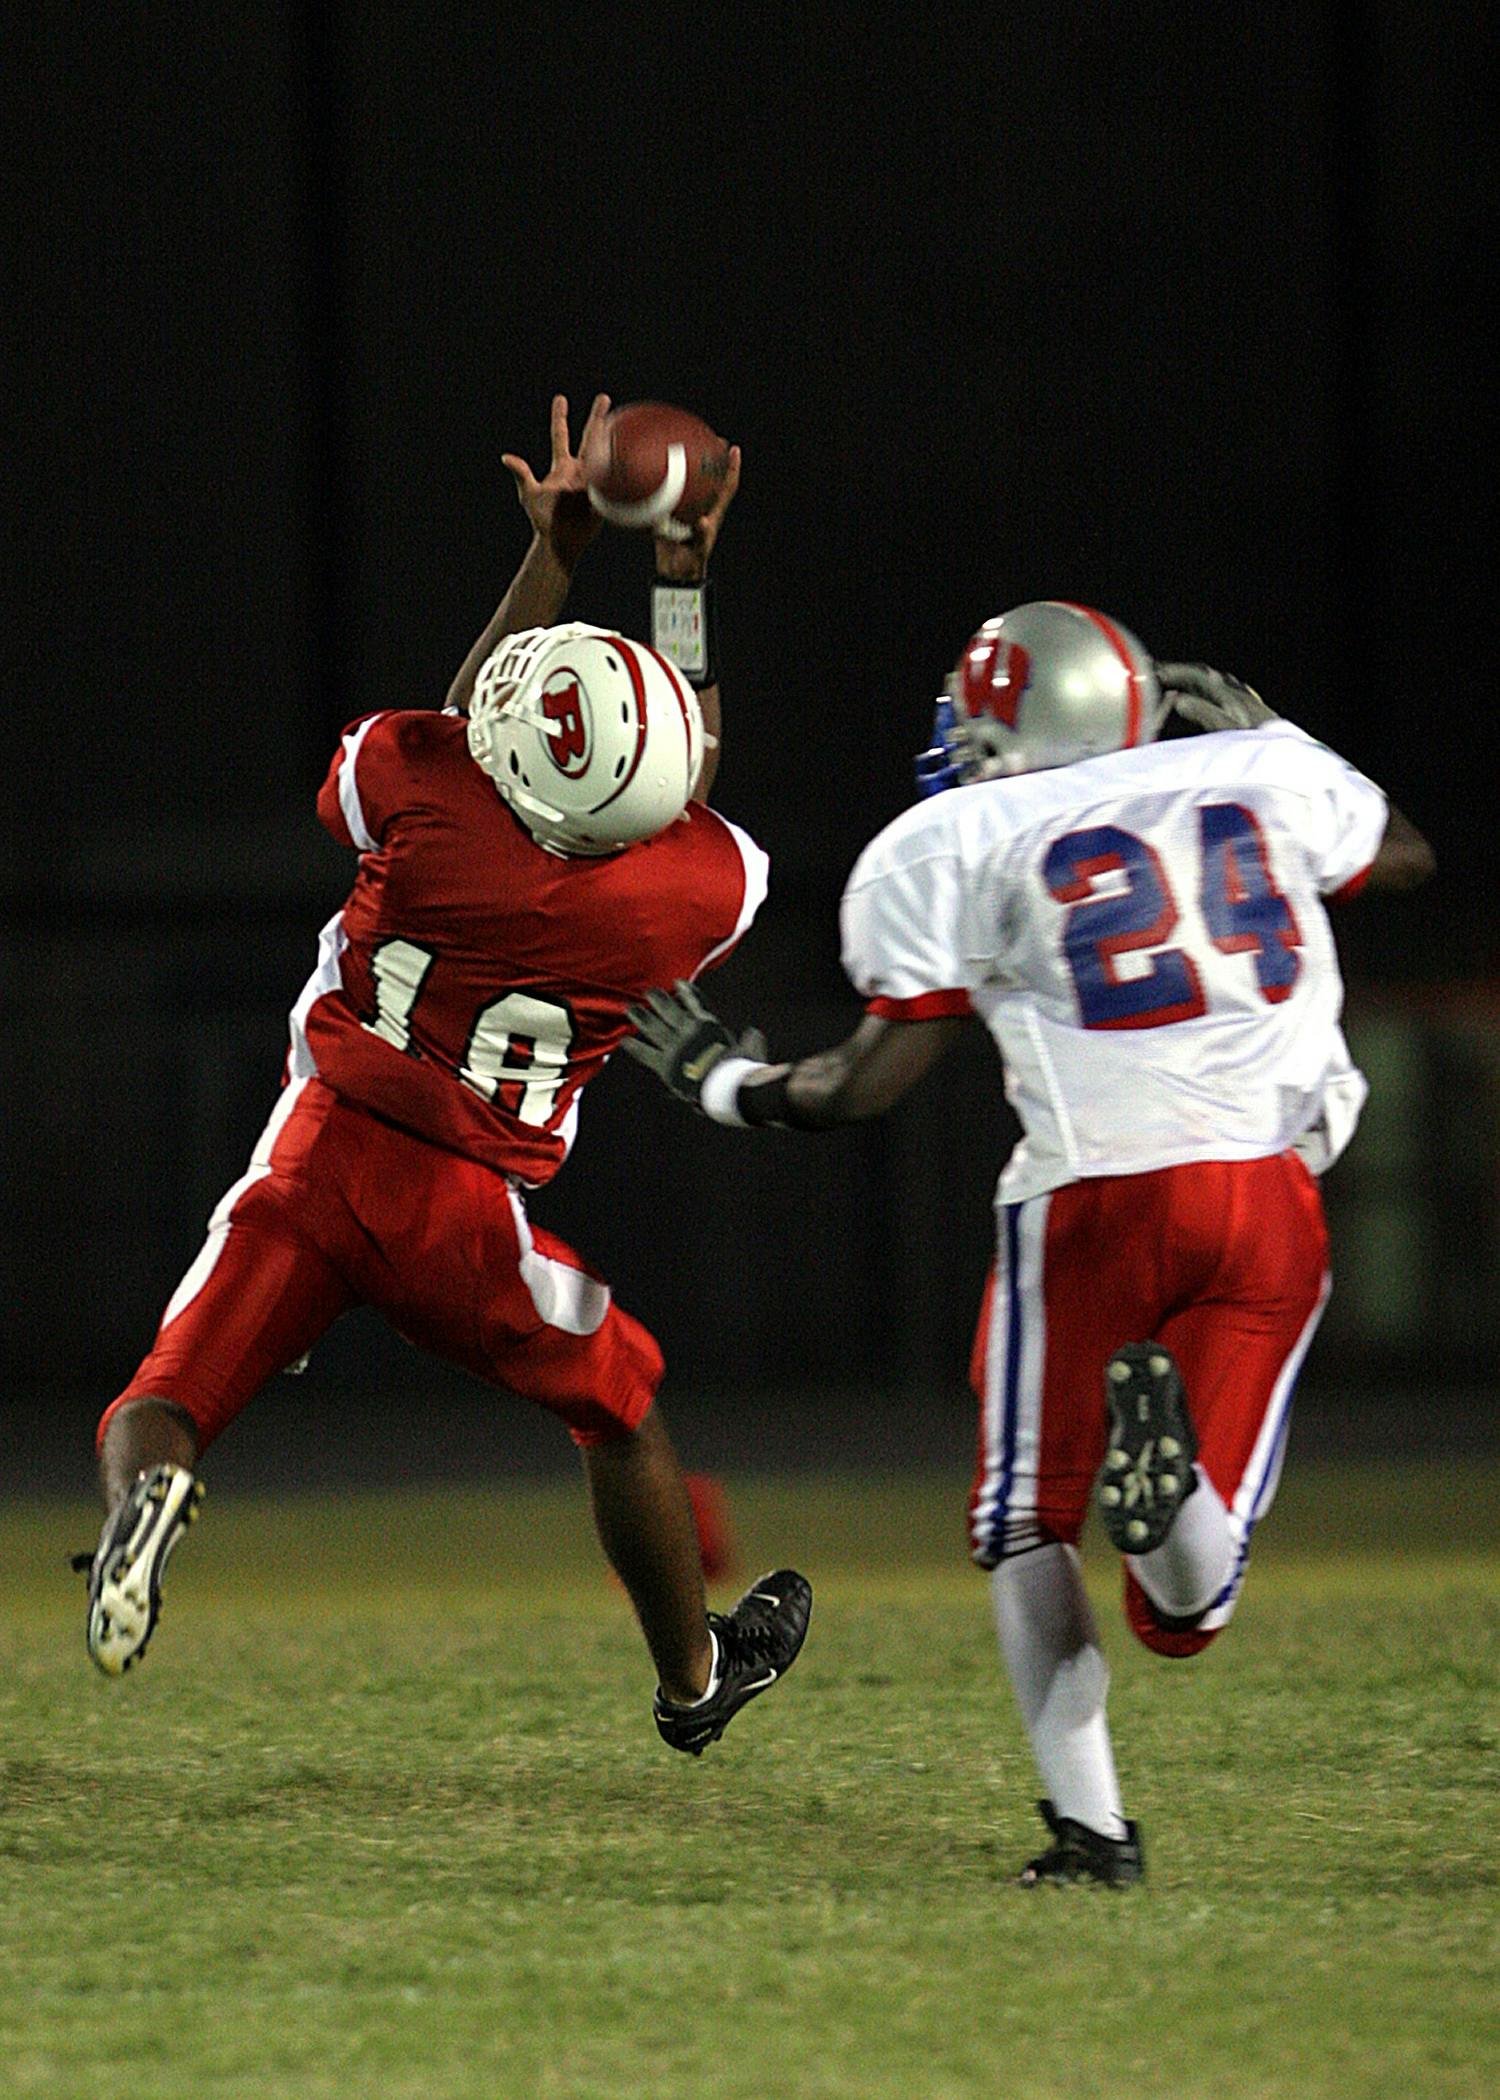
x=1244, y=911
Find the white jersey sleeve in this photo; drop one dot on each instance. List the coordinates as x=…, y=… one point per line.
x=905, y=944
x=1344, y=814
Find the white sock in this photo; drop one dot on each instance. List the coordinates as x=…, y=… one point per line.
x=713, y=1673
x=1183, y=1575
x=1051, y=1649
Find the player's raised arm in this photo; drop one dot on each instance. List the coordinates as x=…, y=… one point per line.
x=562, y=524
x=1405, y=859
x=1211, y=699
x=699, y=1059
x=681, y=599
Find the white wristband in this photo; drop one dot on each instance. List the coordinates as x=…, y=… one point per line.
x=716, y=1096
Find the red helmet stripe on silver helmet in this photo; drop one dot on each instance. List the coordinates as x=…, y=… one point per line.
x=1117, y=642
x=638, y=685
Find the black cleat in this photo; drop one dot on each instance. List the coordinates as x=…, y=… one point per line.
x=1081, y=1854
x=126, y=1569
x=1147, y=1473
x=758, y=1642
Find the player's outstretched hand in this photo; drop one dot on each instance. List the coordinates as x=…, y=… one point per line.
x=679, y=1040
x=1212, y=699
x=558, y=505
x=682, y=556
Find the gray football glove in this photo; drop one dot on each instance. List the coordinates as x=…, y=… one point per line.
x=1212, y=699
x=679, y=1040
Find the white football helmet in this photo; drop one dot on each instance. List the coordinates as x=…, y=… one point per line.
x=593, y=740
x=1046, y=684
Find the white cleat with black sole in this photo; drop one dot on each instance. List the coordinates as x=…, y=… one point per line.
x=126, y=1569
x=1148, y=1471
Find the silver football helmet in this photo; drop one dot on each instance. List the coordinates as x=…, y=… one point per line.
x=594, y=741
x=1040, y=686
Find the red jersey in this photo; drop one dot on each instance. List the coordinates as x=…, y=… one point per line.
x=473, y=983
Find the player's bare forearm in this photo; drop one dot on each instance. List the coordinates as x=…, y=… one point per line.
x=862, y=1076
x=1405, y=860
x=697, y=1057
x=708, y=702
x=537, y=594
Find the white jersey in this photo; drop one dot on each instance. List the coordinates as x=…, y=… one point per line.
x=1144, y=936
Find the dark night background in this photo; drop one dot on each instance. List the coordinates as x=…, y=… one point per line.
x=1170, y=308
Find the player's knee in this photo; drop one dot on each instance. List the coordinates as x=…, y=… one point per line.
x=1178, y=1638
x=611, y=1436
x=150, y=1418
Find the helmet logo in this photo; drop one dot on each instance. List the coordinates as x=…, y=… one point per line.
x=996, y=673
x=569, y=742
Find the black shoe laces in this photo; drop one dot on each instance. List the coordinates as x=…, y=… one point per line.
x=754, y=1638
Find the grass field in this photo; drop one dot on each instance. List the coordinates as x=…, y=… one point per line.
x=383, y=1814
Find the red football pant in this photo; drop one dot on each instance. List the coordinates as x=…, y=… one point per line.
x=340, y=1209
x=1225, y=1262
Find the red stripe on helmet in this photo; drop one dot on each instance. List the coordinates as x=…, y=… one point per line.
x=1116, y=640
x=677, y=682
x=680, y=688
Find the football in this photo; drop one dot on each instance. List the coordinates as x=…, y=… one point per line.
x=651, y=467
